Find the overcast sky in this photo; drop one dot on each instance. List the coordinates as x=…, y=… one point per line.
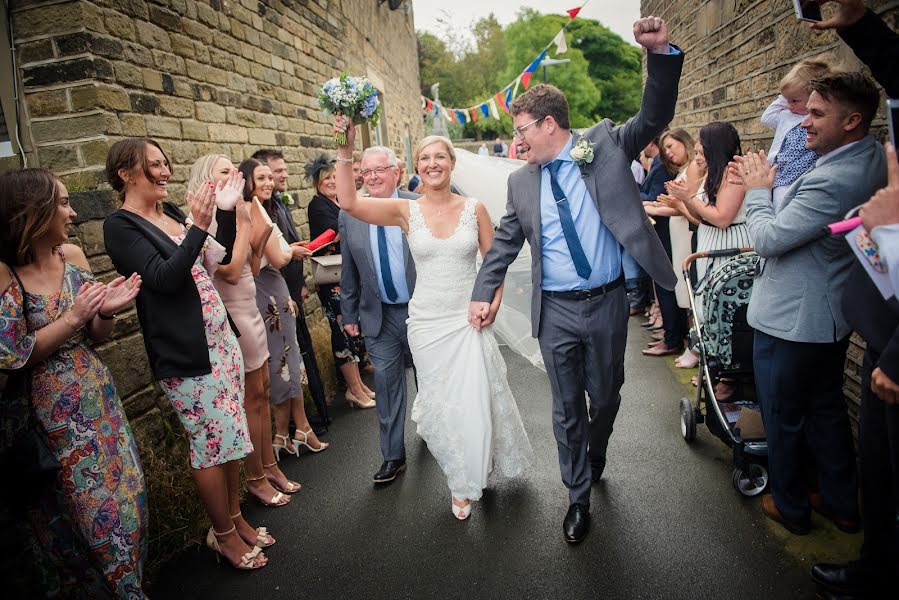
x=617, y=15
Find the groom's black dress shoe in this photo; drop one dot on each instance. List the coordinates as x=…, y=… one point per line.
x=389, y=470
x=576, y=524
x=850, y=579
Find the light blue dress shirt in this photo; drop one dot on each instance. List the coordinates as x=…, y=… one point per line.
x=600, y=246
x=396, y=255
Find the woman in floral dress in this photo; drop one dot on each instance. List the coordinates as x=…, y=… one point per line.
x=193, y=351
x=90, y=525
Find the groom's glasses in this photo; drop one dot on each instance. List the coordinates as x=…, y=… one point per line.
x=519, y=131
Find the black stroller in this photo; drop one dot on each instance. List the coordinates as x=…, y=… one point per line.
x=725, y=349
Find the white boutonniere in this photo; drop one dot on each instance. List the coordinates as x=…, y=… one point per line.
x=287, y=199
x=582, y=153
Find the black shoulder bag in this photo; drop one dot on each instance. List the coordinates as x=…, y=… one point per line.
x=24, y=449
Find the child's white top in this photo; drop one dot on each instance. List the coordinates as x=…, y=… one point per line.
x=779, y=118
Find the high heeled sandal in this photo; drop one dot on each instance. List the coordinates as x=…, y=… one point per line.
x=247, y=561
x=305, y=441
x=294, y=486
x=278, y=447
x=263, y=539
x=279, y=499
x=355, y=402
x=461, y=512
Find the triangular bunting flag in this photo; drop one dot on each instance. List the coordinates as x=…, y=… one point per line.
x=500, y=99
x=474, y=114
x=493, y=110
x=573, y=12
x=485, y=108
x=509, y=97
x=559, y=41
x=515, y=90
x=526, y=76
x=461, y=115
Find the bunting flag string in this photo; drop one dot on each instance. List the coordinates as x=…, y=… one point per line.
x=505, y=96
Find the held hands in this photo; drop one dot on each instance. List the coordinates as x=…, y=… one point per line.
x=849, y=13
x=120, y=292
x=352, y=329
x=345, y=124
x=88, y=301
x=481, y=314
x=230, y=191
x=883, y=207
x=652, y=34
x=755, y=171
x=201, y=204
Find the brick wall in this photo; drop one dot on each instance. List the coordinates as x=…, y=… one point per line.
x=199, y=77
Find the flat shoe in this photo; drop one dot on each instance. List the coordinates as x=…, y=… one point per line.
x=772, y=512
x=661, y=351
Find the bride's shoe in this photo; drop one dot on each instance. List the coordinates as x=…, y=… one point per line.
x=461, y=512
x=355, y=402
x=305, y=441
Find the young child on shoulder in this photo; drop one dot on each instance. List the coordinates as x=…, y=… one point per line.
x=785, y=115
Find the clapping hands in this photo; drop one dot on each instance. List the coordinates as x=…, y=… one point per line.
x=200, y=204
x=120, y=292
x=230, y=191
x=752, y=170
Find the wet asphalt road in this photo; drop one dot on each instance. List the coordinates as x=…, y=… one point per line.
x=666, y=521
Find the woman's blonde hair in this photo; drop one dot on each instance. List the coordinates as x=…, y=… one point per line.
x=807, y=69
x=201, y=170
x=433, y=139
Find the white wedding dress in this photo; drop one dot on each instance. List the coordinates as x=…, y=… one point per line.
x=464, y=409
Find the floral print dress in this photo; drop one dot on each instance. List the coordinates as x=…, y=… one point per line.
x=211, y=406
x=91, y=529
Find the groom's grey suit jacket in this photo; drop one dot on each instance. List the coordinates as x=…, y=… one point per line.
x=360, y=296
x=611, y=186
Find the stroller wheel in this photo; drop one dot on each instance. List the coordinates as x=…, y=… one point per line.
x=687, y=420
x=751, y=481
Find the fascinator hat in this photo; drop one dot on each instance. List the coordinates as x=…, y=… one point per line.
x=315, y=167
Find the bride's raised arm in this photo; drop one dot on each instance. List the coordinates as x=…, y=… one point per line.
x=377, y=211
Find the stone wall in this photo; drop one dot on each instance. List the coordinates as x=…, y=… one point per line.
x=736, y=53
x=199, y=77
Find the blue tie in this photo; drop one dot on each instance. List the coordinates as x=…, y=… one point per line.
x=384, y=259
x=581, y=264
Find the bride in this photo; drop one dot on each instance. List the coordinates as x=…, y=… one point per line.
x=464, y=409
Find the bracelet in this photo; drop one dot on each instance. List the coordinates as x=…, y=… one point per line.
x=65, y=317
x=106, y=317
x=345, y=160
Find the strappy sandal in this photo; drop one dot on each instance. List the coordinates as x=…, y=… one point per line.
x=279, y=499
x=247, y=561
x=263, y=539
x=305, y=441
x=294, y=486
x=278, y=447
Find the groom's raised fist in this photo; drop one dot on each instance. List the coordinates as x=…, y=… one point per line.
x=652, y=34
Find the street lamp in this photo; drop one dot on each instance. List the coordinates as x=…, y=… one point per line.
x=547, y=62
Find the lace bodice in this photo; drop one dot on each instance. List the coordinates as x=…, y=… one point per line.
x=446, y=267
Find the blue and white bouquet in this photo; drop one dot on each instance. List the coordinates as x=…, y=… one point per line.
x=354, y=97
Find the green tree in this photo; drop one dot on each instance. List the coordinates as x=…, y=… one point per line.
x=525, y=37
x=614, y=65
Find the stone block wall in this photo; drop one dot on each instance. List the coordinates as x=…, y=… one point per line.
x=199, y=76
x=737, y=51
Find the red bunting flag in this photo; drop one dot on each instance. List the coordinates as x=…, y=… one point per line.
x=501, y=100
x=474, y=114
x=573, y=12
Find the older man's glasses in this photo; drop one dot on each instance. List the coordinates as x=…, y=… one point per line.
x=379, y=171
x=519, y=131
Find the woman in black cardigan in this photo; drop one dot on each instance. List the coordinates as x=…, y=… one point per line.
x=348, y=351
x=193, y=351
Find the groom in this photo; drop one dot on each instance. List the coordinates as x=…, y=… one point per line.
x=577, y=205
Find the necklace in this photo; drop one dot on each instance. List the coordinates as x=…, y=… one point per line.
x=156, y=220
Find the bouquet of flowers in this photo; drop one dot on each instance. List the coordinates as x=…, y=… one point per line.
x=353, y=97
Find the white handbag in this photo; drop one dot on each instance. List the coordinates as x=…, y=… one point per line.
x=326, y=269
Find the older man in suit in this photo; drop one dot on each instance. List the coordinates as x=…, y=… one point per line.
x=578, y=206
x=376, y=281
x=801, y=334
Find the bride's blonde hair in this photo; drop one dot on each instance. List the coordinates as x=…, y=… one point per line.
x=433, y=139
